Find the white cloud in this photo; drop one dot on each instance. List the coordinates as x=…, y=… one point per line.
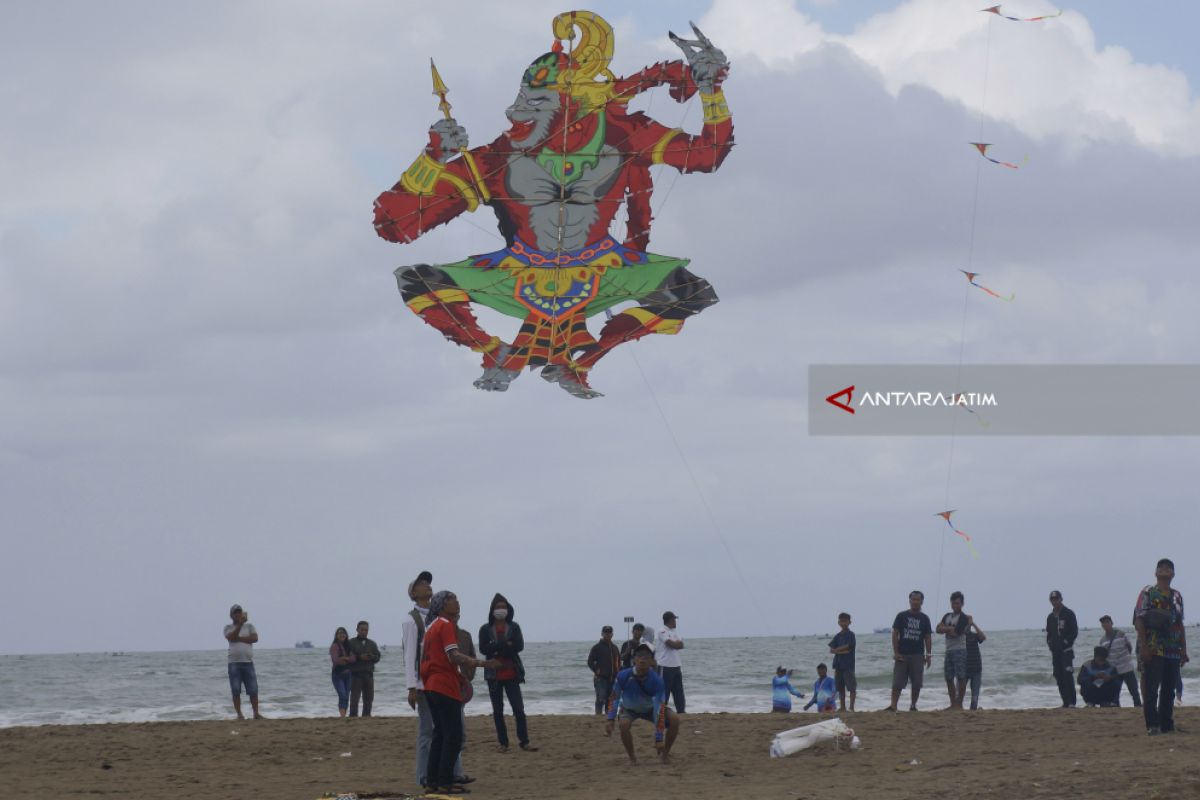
x=771, y=31
x=1047, y=79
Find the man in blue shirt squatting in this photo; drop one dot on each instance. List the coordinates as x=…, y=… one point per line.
x=639, y=693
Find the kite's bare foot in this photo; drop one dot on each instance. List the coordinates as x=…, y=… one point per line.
x=574, y=383
x=495, y=378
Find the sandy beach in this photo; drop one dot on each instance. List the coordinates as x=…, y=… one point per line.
x=1004, y=754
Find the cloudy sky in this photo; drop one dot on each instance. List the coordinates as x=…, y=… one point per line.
x=212, y=393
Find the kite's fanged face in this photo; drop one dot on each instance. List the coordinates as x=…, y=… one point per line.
x=532, y=114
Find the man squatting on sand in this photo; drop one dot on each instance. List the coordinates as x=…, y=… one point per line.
x=639, y=693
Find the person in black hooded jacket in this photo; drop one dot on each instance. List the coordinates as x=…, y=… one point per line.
x=500, y=640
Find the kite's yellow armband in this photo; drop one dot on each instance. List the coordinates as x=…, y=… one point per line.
x=715, y=108
x=426, y=173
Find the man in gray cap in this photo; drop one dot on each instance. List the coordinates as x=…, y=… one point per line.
x=241, y=636
x=412, y=634
x=1061, y=631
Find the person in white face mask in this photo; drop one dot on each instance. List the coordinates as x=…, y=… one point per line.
x=500, y=639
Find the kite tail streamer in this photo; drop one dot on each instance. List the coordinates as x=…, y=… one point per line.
x=1008, y=299
x=996, y=10
x=967, y=540
x=982, y=147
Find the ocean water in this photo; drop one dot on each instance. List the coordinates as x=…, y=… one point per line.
x=731, y=675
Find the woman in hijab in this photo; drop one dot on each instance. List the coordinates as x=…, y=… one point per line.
x=440, y=662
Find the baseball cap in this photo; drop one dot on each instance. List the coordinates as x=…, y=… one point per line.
x=423, y=575
x=649, y=648
x=1166, y=561
x=1056, y=595
x=606, y=629
x=669, y=615
x=235, y=609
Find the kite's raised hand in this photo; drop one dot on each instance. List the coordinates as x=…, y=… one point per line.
x=708, y=64
x=446, y=137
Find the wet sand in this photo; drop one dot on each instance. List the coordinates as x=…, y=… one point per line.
x=1097, y=753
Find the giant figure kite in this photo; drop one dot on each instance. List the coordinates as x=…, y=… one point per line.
x=555, y=181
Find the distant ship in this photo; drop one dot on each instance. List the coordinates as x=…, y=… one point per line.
x=881, y=630
x=305, y=645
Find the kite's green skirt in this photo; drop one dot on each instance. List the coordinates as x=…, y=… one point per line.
x=520, y=280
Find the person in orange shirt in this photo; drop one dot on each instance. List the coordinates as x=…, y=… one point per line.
x=443, y=682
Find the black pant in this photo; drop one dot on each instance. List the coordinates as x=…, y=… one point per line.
x=1161, y=676
x=603, y=690
x=362, y=684
x=673, y=681
x=1104, y=695
x=447, y=739
x=1131, y=683
x=1064, y=675
x=512, y=688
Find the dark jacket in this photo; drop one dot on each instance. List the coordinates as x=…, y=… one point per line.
x=627, y=651
x=467, y=648
x=510, y=646
x=1056, y=641
x=604, y=660
x=367, y=653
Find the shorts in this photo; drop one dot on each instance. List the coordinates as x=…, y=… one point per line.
x=631, y=715
x=845, y=681
x=911, y=668
x=241, y=673
x=955, y=665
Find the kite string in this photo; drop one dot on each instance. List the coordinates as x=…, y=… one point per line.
x=760, y=615
x=987, y=62
x=962, y=334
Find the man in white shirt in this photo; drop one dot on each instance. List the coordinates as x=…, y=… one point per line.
x=412, y=632
x=241, y=636
x=670, y=662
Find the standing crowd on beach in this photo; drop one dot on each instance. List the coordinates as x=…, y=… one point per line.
x=643, y=678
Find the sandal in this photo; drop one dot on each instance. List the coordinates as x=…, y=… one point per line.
x=501, y=748
x=455, y=789
x=528, y=748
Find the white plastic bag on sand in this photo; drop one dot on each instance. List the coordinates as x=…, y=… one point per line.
x=797, y=739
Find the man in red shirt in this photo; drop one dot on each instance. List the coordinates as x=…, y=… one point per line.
x=440, y=660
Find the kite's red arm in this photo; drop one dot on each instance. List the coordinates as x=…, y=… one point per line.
x=429, y=194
